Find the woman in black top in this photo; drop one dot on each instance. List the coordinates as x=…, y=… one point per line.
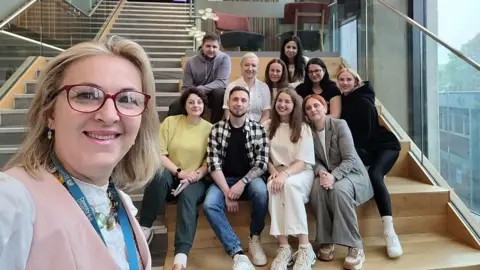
x=376, y=146
x=318, y=82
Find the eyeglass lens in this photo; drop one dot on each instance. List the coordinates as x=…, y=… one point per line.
x=89, y=99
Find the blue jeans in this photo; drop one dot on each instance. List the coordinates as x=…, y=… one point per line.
x=214, y=209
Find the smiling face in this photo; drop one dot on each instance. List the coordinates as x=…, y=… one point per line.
x=194, y=105
x=291, y=49
x=284, y=105
x=275, y=72
x=249, y=67
x=346, y=82
x=89, y=143
x=314, y=109
x=238, y=103
x=315, y=73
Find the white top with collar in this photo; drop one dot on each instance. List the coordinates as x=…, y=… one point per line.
x=260, y=99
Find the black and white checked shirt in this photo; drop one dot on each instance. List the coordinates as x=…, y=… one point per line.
x=257, y=147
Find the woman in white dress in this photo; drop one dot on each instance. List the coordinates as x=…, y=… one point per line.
x=291, y=177
x=260, y=97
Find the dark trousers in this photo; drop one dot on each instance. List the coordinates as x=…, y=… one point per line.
x=215, y=103
x=158, y=192
x=381, y=165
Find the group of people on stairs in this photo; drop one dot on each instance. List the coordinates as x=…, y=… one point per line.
x=297, y=138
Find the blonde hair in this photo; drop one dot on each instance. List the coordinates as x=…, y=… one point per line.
x=249, y=55
x=358, y=79
x=140, y=163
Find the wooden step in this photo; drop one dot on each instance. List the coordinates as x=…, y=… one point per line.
x=416, y=207
x=421, y=251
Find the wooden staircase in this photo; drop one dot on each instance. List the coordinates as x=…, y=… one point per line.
x=420, y=218
x=431, y=232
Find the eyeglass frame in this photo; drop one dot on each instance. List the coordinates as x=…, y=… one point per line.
x=68, y=87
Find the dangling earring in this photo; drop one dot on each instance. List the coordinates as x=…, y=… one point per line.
x=49, y=134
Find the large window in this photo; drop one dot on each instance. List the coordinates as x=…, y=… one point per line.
x=457, y=86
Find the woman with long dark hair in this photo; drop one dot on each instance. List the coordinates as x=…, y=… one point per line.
x=318, y=82
x=291, y=53
x=377, y=147
x=276, y=76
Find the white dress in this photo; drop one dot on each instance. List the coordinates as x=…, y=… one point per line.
x=17, y=215
x=260, y=99
x=287, y=209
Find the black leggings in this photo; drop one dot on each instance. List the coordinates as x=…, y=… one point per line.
x=381, y=165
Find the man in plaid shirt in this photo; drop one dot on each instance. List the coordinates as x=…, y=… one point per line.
x=237, y=158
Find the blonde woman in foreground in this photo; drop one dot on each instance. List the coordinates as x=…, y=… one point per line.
x=92, y=130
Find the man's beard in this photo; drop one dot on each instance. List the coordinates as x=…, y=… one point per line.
x=237, y=115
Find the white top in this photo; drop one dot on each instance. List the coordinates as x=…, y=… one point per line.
x=260, y=99
x=284, y=152
x=321, y=136
x=17, y=215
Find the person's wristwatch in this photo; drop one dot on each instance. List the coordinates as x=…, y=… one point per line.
x=245, y=180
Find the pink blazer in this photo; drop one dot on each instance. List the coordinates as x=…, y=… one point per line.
x=63, y=237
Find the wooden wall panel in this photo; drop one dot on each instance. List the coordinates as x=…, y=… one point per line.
x=265, y=26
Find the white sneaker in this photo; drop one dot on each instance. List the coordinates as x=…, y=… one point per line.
x=394, y=249
x=256, y=250
x=283, y=259
x=304, y=258
x=148, y=232
x=355, y=259
x=241, y=262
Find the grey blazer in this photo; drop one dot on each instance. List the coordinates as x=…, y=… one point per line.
x=343, y=160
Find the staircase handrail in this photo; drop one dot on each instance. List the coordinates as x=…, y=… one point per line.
x=427, y=32
x=16, y=13
x=83, y=12
x=107, y=21
x=31, y=40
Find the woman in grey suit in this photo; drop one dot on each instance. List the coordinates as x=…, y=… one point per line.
x=341, y=184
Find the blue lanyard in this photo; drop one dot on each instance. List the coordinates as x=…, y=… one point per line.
x=81, y=200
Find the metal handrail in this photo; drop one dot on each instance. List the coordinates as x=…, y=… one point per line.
x=31, y=40
x=16, y=13
x=27, y=5
x=83, y=12
x=107, y=21
x=432, y=35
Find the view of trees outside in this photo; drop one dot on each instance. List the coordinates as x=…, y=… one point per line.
x=459, y=98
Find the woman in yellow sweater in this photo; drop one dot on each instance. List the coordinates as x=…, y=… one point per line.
x=183, y=140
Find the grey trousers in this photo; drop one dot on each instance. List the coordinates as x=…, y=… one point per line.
x=335, y=214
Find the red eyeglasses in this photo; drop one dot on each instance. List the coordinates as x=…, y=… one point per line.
x=89, y=98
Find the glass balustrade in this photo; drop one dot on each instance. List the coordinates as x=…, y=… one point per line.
x=45, y=28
